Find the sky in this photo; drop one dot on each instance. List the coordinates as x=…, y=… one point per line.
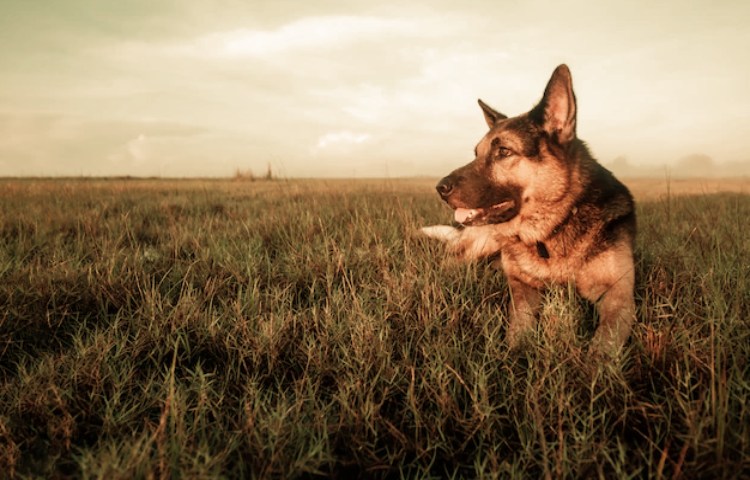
x=349, y=88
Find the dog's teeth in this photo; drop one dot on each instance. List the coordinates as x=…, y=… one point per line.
x=463, y=215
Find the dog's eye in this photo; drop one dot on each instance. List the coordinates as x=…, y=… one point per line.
x=501, y=153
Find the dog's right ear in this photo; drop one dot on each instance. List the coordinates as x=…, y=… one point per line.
x=556, y=113
x=490, y=115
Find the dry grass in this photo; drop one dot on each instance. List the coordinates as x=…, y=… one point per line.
x=287, y=329
x=657, y=189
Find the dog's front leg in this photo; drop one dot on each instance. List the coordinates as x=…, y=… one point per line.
x=469, y=243
x=616, y=316
x=525, y=302
x=609, y=283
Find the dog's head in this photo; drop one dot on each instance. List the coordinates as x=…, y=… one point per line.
x=518, y=161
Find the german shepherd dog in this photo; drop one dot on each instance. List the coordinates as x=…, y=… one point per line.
x=535, y=195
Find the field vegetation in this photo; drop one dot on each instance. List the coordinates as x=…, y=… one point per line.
x=302, y=329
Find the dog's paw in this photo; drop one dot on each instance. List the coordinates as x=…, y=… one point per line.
x=466, y=244
x=444, y=233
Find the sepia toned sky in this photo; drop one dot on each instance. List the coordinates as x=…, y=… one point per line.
x=349, y=88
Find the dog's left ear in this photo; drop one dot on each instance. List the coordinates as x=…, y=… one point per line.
x=556, y=113
x=491, y=115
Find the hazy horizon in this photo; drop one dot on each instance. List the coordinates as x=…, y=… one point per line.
x=334, y=88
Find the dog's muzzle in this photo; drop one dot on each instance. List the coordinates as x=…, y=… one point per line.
x=445, y=187
x=499, y=206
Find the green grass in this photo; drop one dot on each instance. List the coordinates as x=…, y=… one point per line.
x=199, y=329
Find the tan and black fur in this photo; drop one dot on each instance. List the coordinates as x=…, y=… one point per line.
x=535, y=195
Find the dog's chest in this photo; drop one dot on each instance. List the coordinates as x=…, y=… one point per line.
x=538, y=264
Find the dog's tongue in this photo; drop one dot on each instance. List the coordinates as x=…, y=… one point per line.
x=461, y=215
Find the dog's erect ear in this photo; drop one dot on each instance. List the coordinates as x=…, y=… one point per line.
x=492, y=116
x=556, y=113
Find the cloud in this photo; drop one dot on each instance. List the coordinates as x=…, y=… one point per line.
x=339, y=140
x=43, y=143
x=137, y=148
x=306, y=34
x=314, y=33
x=345, y=137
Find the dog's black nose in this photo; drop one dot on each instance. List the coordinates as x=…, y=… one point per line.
x=445, y=187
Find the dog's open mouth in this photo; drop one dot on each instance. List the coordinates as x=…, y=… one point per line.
x=498, y=213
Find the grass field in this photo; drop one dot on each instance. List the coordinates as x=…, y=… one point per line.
x=298, y=329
